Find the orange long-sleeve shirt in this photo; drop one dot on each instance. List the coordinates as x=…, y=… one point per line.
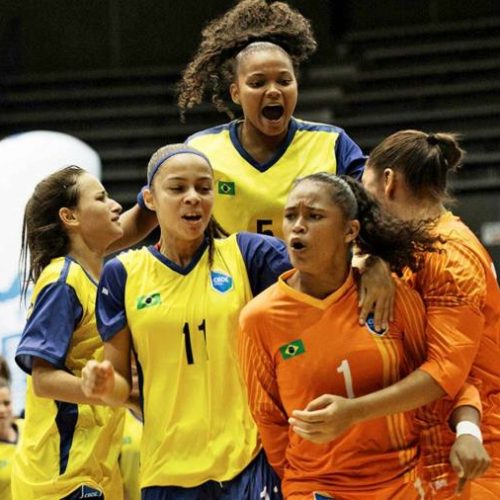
x=294, y=348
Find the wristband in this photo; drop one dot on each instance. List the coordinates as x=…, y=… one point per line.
x=140, y=201
x=466, y=427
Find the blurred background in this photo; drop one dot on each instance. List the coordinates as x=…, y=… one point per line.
x=104, y=72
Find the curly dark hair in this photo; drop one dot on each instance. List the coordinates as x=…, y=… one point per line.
x=214, y=65
x=399, y=243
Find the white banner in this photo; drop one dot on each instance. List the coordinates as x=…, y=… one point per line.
x=25, y=159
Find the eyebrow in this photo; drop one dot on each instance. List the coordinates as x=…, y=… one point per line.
x=309, y=207
x=185, y=178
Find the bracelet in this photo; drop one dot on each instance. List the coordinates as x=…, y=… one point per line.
x=466, y=427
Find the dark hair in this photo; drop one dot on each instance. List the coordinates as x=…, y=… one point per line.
x=44, y=237
x=4, y=382
x=213, y=67
x=214, y=230
x=424, y=159
x=4, y=370
x=399, y=243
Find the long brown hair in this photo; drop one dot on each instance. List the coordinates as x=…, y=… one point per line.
x=44, y=237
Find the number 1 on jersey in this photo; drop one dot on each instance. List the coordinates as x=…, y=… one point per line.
x=345, y=369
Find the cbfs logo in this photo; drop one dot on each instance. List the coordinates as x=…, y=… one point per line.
x=221, y=282
x=370, y=324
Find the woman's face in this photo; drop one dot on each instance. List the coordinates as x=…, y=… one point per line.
x=6, y=412
x=266, y=89
x=97, y=214
x=317, y=235
x=182, y=197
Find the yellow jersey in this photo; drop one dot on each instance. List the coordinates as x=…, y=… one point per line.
x=183, y=324
x=65, y=446
x=251, y=196
x=129, y=456
x=7, y=450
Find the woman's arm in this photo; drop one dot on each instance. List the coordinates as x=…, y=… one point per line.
x=110, y=381
x=53, y=383
x=137, y=223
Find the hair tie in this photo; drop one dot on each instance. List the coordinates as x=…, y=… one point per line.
x=432, y=139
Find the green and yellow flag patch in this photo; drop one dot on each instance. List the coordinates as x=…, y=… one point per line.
x=292, y=349
x=226, y=187
x=152, y=299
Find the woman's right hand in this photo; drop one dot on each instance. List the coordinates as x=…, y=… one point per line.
x=98, y=379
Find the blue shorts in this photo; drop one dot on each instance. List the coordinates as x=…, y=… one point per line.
x=257, y=482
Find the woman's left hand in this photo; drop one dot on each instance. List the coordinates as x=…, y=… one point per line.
x=324, y=418
x=376, y=292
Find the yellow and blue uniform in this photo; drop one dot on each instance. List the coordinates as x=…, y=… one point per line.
x=183, y=323
x=7, y=450
x=66, y=449
x=129, y=456
x=250, y=196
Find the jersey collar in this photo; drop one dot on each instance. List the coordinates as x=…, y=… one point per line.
x=261, y=167
x=174, y=266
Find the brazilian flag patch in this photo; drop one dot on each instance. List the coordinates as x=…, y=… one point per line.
x=152, y=299
x=226, y=187
x=292, y=349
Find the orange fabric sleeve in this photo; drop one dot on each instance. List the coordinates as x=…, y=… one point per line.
x=263, y=393
x=453, y=287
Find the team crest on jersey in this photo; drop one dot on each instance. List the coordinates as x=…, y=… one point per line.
x=149, y=300
x=370, y=324
x=221, y=282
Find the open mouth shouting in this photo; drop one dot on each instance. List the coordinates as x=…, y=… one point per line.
x=296, y=245
x=273, y=112
x=192, y=217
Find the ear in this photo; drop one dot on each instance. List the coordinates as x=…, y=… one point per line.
x=68, y=217
x=235, y=93
x=149, y=200
x=352, y=231
x=390, y=183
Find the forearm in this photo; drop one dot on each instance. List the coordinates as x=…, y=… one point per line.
x=137, y=224
x=61, y=386
x=415, y=390
x=468, y=413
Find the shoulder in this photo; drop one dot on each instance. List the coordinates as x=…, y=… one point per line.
x=259, y=243
x=207, y=133
x=256, y=311
x=308, y=126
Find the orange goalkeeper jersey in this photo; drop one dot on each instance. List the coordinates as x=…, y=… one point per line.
x=294, y=348
x=462, y=300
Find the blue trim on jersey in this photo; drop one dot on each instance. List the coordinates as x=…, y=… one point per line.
x=71, y=259
x=110, y=301
x=175, y=267
x=261, y=167
x=317, y=127
x=66, y=418
x=350, y=158
x=209, y=131
x=140, y=377
x=50, y=326
x=265, y=257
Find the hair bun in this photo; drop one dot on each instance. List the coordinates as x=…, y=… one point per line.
x=432, y=139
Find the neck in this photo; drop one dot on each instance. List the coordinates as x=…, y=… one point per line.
x=420, y=209
x=179, y=251
x=259, y=146
x=319, y=286
x=90, y=260
x=7, y=431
